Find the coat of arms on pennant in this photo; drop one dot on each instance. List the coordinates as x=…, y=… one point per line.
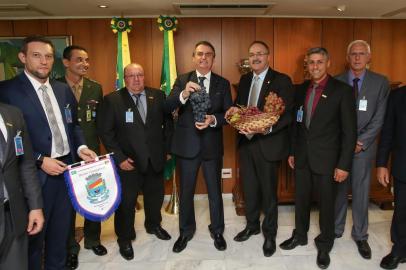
x=94, y=188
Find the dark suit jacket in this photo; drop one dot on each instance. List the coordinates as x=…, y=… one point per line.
x=136, y=140
x=19, y=172
x=375, y=89
x=91, y=92
x=187, y=140
x=393, y=136
x=330, y=140
x=275, y=145
x=20, y=93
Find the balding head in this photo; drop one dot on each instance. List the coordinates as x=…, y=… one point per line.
x=134, y=78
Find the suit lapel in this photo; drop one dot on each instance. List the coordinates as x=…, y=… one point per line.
x=130, y=104
x=32, y=94
x=150, y=103
x=322, y=105
x=86, y=91
x=265, y=89
x=10, y=135
x=364, y=86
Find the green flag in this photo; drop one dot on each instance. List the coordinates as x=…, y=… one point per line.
x=168, y=72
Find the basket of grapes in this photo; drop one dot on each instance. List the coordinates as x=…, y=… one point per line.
x=253, y=118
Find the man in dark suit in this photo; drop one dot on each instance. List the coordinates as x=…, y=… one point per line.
x=20, y=190
x=89, y=95
x=393, y=142
x=260, y=151
x=133, y=125
x=371, y=93
x=49, y=109
x=323, y=142
x=198, y=144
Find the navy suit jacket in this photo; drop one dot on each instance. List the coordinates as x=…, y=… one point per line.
x=20, y=93
x=188, y=141
x=393, y=136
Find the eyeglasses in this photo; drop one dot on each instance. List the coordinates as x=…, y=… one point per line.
x=259, y=54
x=207, y=54
x=360, y=54
x=132, y=76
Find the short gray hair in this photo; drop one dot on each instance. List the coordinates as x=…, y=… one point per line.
x=361, y=42
x=318, y=50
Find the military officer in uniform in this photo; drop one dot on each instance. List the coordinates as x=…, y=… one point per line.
x=89, y=94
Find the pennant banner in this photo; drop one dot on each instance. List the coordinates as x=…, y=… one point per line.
x=121, y=27
x=94, y=188
x=168, y=72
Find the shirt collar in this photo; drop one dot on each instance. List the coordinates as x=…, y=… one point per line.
x=261, y=75
x=141, y=94
x=35, y=83
x=321, y=84
x=207, y=76
x=351, y=76
x=71, y=83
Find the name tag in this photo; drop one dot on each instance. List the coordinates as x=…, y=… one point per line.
x=68, y=114
x=129, y=117
x=299, y=115
x=363, y=103
x=18, y=144
x=88, y=114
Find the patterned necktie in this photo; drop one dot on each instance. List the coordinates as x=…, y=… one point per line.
x=254, y=92
x=355, y=87
x=53, y=124
x=140, y=107
x=201, y=82
x=309, y=106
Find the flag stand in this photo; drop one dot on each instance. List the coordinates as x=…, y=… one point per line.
x=172, y=207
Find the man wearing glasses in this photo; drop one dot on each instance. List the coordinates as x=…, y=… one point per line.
x=371, y=93
x=133, y=125
x=261, y=150
x=198, y=144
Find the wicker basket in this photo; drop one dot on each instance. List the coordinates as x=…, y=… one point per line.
x=259, y=121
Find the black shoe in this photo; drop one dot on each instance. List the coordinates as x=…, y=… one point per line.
x=269, y=247
x=323, y=259
x=160, y=233
x=364, y=249
x=72, y=261
x=181, y=243
x=292, y=242
x=245, y=234
x=391, y=261
x=219, y=241
x=338, y=235
x=126, y=251
x=99, y=250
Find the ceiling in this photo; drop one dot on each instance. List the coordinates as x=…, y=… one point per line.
x=28, y=9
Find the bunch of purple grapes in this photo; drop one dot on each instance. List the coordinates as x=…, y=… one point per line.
x=200, y=102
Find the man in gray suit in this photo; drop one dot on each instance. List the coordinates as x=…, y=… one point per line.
x=371, y=93
x=20, y=190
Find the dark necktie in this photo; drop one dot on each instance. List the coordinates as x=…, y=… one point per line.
x=201, y=82
x=355, y=87
x=140, y=107
x=309, y=107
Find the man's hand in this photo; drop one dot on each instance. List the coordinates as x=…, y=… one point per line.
x=53, y=166
x=208, y=121
x=340, y=175
x=86, y=154
x=358, y=147
x=35, y=221
x=252, y=131
x=230, y=111
x=190, y=88
x=382, y=174
x=291, y=161
x=127, y=165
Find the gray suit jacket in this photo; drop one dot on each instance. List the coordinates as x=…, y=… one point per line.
x=19, y=173
x=375, y=89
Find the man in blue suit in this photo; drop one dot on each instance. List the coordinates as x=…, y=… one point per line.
x=49, y=109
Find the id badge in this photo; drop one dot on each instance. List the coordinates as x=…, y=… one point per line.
x=94, y=113
x=363, y=103
x=299, y=115
x=18, y=144
x=129, y=117
x=68, y=114
x=88, y=114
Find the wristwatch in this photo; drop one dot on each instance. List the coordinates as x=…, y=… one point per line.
x=40, y=160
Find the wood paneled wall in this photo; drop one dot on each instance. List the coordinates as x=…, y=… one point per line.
x=288, y=38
